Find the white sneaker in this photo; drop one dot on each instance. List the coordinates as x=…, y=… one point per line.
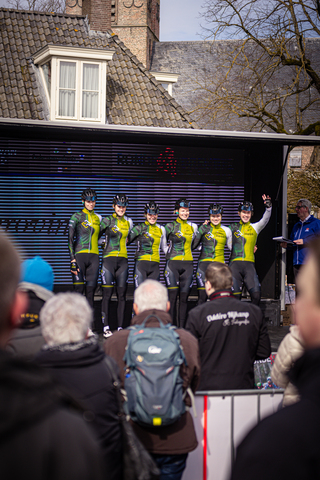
x=107, y=332
x=120, y=328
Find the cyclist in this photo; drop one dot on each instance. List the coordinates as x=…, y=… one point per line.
x=83, y=233
x=116, y=228
x=179, y=267
x=212, y=236
x=244, y=237
x=149, y=237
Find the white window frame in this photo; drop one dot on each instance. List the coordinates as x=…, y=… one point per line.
x=80, y=56
x=164, y=77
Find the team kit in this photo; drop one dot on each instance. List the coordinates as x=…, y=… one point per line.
x=177, y=239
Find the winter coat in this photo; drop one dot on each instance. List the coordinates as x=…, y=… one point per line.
x=81, y=368
x=42, y=431
x=290, y=349
x=179, y=437
x=303, y=230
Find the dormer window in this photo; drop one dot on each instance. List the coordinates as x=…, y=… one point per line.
x=75, y=82
x=166, y=79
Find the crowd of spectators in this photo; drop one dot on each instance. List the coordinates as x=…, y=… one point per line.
x=59, y=407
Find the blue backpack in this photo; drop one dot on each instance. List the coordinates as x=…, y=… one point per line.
x=152, y=382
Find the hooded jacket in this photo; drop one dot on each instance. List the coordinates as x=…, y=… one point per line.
x=179, y=437
x=80, y=368
x=42, y=434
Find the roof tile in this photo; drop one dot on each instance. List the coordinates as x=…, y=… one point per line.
x=131, y=97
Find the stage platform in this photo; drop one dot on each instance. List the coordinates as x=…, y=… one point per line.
x=270, y=308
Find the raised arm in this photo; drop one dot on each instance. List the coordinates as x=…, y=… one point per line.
x=258, y=226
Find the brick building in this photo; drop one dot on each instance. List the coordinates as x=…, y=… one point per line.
x=60, y=67
x=136, y=22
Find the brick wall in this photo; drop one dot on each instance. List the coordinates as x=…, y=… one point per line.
x=136, y=22
x=138, y=26
x=98, y=11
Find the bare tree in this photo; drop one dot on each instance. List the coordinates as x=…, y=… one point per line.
x=303, y=184
x=269, y=68
x=56, y=6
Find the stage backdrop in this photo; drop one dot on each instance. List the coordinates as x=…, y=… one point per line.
x=41, y=181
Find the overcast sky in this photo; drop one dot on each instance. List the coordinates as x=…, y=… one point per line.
x=179, y=20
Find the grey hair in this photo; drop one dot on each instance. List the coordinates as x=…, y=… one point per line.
x=305, y=203
x=151, y=294
x=65, y=318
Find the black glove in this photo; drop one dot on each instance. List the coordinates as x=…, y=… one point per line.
x=74, y=268
x=268, y=202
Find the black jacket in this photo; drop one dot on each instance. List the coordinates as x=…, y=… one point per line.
x=286, y=445
x=42, y=432
x=231, y=335
x=81, y=368
x=26, y=341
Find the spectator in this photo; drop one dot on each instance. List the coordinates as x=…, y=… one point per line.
x=302, y=232
x=37, y=282
x=169, y=445
x=40, y=436
x=290, y=349
x=290, y=437
x=77, y=363
x=231, y=334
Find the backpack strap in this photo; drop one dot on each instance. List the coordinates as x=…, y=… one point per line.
x=152, y=315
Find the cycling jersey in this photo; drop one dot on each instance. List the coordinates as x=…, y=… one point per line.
x=149, y=239
x=213, y=239
x=116, y=230
x=83, y=233
x=180, y=234
x=244, y=237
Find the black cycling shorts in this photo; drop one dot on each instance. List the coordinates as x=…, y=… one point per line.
x=201, y=275
x=179, y=274
x=144, y=269
x=244, y=273
x=88, y=264
x=114, y=271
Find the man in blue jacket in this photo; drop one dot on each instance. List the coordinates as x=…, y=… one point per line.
x=302, y=232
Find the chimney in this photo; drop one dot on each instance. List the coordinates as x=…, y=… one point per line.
x=136, y=22
x=98, y=11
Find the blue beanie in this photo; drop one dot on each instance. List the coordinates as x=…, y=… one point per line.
x=38, y=271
